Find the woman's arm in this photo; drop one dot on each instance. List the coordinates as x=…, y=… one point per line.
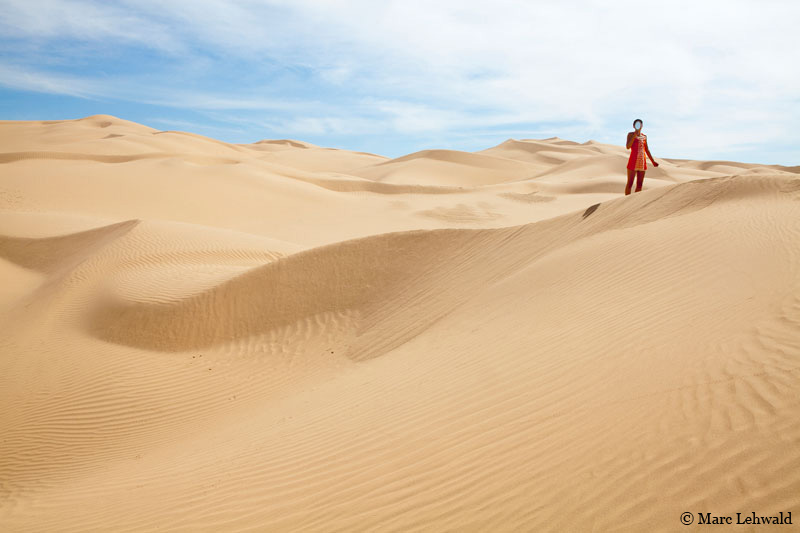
x=629, y=142
x=647, y=150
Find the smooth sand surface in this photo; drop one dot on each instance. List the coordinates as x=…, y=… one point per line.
x=200, y=336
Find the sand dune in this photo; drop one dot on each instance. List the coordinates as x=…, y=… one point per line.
x=546, y=151
x=447, y=167
x=196, y=336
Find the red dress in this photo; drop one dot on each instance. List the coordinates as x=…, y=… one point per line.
x=638, y=159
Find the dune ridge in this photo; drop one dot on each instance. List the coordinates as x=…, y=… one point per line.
x=351, y=274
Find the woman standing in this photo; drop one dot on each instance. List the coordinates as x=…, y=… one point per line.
x=637, y=163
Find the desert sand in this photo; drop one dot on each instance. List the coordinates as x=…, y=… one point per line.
x=278, y=336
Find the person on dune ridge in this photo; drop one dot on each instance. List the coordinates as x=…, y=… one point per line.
x=637, y=162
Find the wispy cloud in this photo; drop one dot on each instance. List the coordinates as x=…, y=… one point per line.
x=44, y=82
x=704, y=76
x=84, y=20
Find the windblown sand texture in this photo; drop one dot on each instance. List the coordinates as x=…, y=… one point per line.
x=201, y=336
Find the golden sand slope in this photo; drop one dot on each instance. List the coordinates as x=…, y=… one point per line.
x=198, y=336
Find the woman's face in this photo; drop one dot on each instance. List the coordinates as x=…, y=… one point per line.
x=637, y=125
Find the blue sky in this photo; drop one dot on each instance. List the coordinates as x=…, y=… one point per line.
x=710, y=80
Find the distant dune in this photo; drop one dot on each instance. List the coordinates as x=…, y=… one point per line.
x=278, y=336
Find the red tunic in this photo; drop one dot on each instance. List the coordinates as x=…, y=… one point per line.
x=638, y=158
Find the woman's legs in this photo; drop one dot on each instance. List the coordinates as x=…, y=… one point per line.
x=639, y=180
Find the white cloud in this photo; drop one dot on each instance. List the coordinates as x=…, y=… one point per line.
x=31, y=80
x=416, y=66
x=85, y=20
